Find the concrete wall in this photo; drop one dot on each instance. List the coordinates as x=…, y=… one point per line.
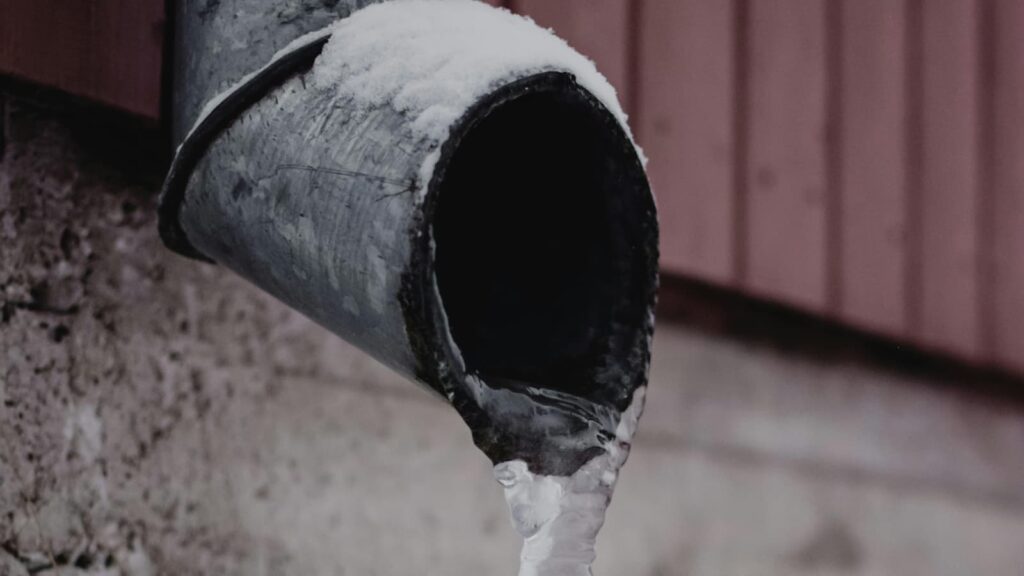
x=159, y=416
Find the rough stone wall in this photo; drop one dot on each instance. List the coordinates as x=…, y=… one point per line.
x=160, y=416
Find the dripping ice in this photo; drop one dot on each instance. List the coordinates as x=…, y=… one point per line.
x=559, y=517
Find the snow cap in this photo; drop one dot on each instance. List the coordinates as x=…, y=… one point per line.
x=433, y=59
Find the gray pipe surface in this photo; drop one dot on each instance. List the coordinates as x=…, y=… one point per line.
x=508, y=262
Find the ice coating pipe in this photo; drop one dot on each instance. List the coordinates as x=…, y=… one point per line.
x=441, y=183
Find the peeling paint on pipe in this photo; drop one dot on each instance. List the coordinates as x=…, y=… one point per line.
x=509, y=264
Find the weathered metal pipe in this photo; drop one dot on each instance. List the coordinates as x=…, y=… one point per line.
x=493, y=237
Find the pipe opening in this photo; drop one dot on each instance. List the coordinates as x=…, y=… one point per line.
x=546, y=245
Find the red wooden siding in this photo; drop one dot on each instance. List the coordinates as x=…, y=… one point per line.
x=873, y=174
x=863, y=159
x=106, y=50
x=860, y=159
x=685, y=121
x=1007, y=171
x=785, y=172
x=597, y=28
x=948, y=211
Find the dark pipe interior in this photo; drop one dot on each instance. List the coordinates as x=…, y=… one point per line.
x=543, y=236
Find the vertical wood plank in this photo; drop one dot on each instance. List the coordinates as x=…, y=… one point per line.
x=949, y=314
x=786, y=173
x=107, y=50
x=41, y=42
x=597, y=28
x=685, y=113
x=1008, y=183
x=127, y=48
x=873, y=174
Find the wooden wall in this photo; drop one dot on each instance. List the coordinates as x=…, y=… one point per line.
x=858, y=159
x=106, y=50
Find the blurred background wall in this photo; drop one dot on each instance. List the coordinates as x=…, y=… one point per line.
x=836, y=387
x=858, y=159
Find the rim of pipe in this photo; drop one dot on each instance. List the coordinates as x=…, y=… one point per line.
x=625, y=355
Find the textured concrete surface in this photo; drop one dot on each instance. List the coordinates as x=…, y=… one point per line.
x=159, y=416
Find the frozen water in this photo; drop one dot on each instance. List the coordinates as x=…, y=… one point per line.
x=559, y=517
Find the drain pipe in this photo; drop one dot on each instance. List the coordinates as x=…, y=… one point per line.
x=441, y=183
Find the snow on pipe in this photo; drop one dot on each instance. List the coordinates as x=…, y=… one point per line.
x=439, y=182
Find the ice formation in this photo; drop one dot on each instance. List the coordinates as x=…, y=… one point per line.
x=559, y=517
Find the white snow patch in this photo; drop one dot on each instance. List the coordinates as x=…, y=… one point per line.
x=432, y=59
x=83, y=436
x=83, y=433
